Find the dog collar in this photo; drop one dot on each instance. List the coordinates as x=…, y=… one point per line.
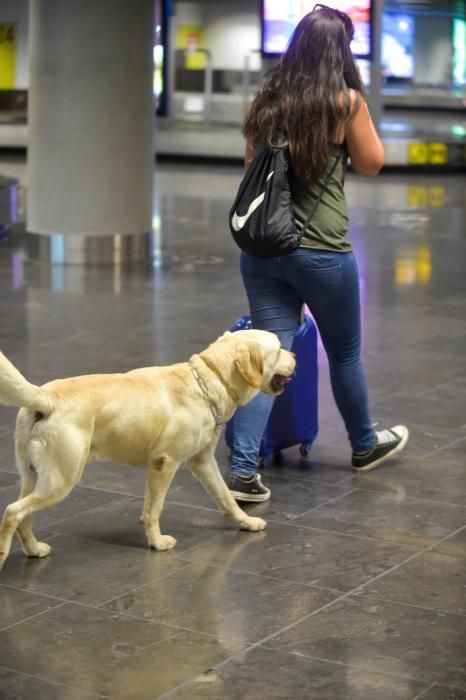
x=233, y=395
x=219, y=422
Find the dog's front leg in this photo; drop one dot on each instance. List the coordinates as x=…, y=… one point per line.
x=204, y=466
x=160, y=473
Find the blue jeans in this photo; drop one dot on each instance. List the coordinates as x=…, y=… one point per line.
x=277, y=288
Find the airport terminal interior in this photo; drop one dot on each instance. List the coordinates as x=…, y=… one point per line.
x=356, y=588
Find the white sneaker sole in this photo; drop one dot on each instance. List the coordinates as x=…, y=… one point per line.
x=389, y=455
x=250, y=497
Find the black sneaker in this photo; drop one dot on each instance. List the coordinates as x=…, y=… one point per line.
x=248, y=488
x=387, y=444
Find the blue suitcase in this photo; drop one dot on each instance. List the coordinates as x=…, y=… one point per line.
x=294, y=418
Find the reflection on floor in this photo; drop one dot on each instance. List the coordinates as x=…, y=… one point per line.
x=356, y=589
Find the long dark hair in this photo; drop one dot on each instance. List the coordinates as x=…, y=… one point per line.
x=306, y=96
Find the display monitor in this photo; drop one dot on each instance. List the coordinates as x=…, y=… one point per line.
x=459, y=52
x=280, y=17
x=160, y=54
x=397, y=46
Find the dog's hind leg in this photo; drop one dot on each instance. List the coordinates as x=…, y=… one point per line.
x=12, y=517
x=28, y=474
x=54, y=482
x=30, y=546
x=204, y=466
x=160, y=473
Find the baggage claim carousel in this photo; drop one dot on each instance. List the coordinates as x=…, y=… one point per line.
x=418, y=131
x=424, y=128
x=430, y=140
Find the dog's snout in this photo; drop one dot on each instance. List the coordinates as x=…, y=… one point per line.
x=291, y=361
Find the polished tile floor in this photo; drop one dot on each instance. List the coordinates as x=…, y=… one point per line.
x=356, y=591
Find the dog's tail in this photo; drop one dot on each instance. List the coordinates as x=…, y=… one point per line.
x=15, y=390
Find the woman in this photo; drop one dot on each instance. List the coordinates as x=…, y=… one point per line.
x=315, y=96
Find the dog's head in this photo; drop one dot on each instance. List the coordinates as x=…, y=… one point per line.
x=256, y=359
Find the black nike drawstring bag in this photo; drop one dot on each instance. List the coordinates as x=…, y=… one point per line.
x=261, y=219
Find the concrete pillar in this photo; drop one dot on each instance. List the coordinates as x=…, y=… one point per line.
x=91, y=123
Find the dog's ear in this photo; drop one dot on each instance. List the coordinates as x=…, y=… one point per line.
x=249, y=362
x=225, y=336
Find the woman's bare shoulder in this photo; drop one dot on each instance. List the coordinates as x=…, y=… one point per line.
x=355, y=99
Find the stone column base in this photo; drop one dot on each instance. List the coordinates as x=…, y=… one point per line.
x=78, y=249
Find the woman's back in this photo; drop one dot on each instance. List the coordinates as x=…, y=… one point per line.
x=329, y=223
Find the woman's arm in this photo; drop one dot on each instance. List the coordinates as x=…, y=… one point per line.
x=362, y=140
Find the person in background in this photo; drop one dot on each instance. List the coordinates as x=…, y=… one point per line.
x=316, y=98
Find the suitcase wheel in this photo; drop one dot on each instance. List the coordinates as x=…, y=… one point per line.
x=304, y=449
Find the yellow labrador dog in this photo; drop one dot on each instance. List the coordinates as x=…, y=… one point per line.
x=154, y=416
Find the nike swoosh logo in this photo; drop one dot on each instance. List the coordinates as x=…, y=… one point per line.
x=237, y=221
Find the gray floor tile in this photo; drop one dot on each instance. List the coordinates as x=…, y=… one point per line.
x=420, y=371
x=293, y=676
x=454, y=453
x=243, y=606
x=456, y=544
x=384, y=637
x=118, y=523
x=79, y=501
x=442, y=407
x=116, y=478
x=88, y=572
x=428, y=479
x=16, y=605
x=327, y=462
x=8, y=479
x=7, y=454
x=439, y=692
x=289, y=498
x=440, y=583
x=7, y=426
x=388, y=516
x=102, y=652
x=17, y=686
x=303, y=555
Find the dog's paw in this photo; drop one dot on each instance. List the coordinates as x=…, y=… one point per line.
x=41, y=550
x=254, y=524
x=163, y=542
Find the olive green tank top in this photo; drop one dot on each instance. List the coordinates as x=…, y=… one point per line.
x=329, y=223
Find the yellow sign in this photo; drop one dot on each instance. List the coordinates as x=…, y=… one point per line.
x=190, y=37
x=438, y=153
x=7, y=56
x=427, y=153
